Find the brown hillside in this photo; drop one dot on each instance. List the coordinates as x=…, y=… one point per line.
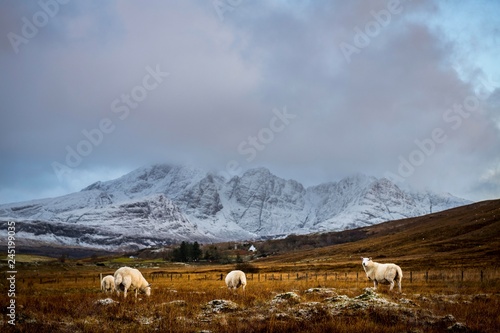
x=467, y=236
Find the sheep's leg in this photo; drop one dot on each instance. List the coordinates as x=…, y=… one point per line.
x=375, y=284
x=392, y=285
x=399, y=285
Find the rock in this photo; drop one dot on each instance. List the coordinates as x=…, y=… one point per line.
x=220, y=305
x=337, y=299
x=145, y=320
x=106, y=301
x=406, y=301
x=310, y=311
x=289, y=297
x=322, y=291
x=458, y=328
x=448, y=320
x=368, y=294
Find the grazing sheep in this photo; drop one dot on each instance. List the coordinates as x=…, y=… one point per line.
x=234, y=279
x=127, y=278
x=382, y=273
x=108, y=283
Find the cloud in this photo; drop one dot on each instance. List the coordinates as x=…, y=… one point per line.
x=227, y=76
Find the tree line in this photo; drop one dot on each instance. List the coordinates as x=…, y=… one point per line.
x=187, y=252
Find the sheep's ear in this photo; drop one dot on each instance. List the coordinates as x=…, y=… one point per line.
x=370, y=258
x=149, y=285
x=362, y=258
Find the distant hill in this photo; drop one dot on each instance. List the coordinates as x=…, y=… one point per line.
x=467, y=236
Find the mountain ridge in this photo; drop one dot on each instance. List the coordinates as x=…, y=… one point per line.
x=163, y=203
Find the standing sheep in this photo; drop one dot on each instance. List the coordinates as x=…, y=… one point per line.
x=382, y=273
x=108, y=283
x=127, y=278
x=234, y=279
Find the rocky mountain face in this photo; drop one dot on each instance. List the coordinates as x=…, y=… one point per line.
x=162, y=204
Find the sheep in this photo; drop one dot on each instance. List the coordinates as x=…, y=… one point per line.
x=234, y=279
x=382, y=273
x=108, y=283
x=127, y=278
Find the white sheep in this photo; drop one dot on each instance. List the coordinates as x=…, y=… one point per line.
x=127, y=278
x=108, y=283
x=234, y=279
x=382, y=273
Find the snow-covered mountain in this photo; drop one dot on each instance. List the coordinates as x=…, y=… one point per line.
x=161, y=204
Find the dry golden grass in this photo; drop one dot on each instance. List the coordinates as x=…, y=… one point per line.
x=59, y=297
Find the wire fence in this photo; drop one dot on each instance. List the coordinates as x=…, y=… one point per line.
x=457, y=275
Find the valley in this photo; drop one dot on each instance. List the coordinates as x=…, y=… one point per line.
x=312, y=283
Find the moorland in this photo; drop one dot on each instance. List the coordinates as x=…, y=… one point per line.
x=310, y=283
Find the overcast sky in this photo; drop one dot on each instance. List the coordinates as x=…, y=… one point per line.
x=313, y=90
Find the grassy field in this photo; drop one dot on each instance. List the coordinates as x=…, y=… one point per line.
x=449, y=259
x=65, y=297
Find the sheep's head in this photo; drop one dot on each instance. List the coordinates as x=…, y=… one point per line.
x=147, y=290
x=365, y=261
